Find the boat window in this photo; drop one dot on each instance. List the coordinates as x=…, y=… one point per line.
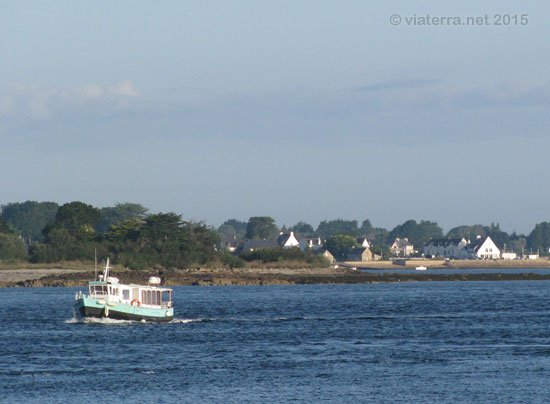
x=98, y=290
x=154, y=295
x=126, y=294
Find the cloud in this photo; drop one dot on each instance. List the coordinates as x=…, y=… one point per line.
x=397, y=84
x=92, y=91
x=23, y=104
x=124, y=88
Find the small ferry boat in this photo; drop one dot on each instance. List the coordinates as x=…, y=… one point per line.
x=421, y=268
x=107, y=298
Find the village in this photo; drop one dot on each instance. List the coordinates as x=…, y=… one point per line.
x=481, y=248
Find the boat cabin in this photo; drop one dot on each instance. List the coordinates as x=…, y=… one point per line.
x=137, y=295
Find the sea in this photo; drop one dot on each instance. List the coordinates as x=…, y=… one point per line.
x=413, y=342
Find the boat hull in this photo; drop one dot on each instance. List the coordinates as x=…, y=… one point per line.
x=99, y=308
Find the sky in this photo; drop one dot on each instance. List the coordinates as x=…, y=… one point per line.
x=298, y=110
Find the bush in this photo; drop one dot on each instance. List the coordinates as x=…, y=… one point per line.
x=12, y=247
x=231, y=261
x=284, y=254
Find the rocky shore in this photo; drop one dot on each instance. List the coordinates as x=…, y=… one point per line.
x=222, y=277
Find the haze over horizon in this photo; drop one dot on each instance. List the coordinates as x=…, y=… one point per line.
x=295, y=110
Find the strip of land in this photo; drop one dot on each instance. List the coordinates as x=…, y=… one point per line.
x=55, y=277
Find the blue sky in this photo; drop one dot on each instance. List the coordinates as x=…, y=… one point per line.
x=299, y=110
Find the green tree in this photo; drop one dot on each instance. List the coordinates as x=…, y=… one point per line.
x=162, y=239
x=78, y=218
x=261, y=227
x=468, y=232
x=70, y=236
x=303, y=229
x=232, y=230
x=119, y=213
x=30, y=218
x=12, y=247
x=539, y=238
x=5, y=227
x=340, y=245
x=327, y=229
x=366, y=228
x=417, y=233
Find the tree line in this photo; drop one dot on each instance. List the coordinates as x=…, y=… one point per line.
x=133, y=237
x=418, y=233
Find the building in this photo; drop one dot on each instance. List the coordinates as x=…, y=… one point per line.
x=325, y=253
x=288, y=240
x=362, y=254
x=445, y=247
x=313, y=243
x=506, y=255
x=363, y=242
x=482, y=248
x=401, y=247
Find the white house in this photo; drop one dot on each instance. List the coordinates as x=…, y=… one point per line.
x=507, y=255
x=402, y=247
x=482, y=248
x=288, y=240
x=445, y=247
x=313, y=243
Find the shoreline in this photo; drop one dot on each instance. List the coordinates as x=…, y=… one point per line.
x=60, y=277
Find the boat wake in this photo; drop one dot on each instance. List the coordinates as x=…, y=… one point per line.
x=110, y=321
x=103, y=320
x=185, y=320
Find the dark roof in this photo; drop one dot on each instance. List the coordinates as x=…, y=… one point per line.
x=256, y=244
x=478, y=243
x=444, y=242
x=358, y=250
x=283, y=238
x=401, y=242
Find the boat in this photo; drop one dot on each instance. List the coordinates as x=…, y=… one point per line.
x=107, y=298
x=421, y=268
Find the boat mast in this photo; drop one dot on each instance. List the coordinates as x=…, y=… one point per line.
x=95, y=258
x=106, y=270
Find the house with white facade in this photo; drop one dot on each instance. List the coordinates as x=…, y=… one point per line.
x=401, y=247
x=288, y=240
x=508, y=255
x=482, y=248
x=445, y=247
x=312, y=243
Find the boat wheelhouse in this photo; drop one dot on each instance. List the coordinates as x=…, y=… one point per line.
x=107, y=298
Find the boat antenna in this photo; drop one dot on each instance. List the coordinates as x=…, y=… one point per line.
x=95, y=258
x=106, y=269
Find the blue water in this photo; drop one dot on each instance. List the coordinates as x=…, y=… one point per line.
x=433, y=342
x=449, y=271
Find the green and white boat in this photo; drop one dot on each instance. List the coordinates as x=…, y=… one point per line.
x=107, y=298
